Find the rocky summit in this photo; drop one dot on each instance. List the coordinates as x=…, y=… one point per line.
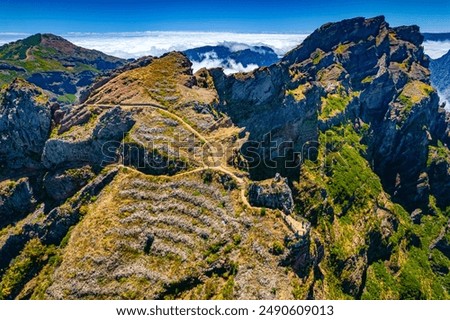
x=323, y=176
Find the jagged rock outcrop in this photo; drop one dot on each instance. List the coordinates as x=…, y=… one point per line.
x=62, y=184
x=16, y=200
x=97, y=149
x=274, y=194
x=25, y=123
x=355, y=70
x=302, y=256
x=51, y=227
x=77, y=116
x=439, y=173
x=348, y=117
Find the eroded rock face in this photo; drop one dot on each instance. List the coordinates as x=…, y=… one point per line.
x=439, y=174
x=51, y=227
x=354, y=71
x=98, y=149
x=62, y=184
x=274, y=194
x=16, y=200
x=442, y=242
x=352, y=104
x=25, y=122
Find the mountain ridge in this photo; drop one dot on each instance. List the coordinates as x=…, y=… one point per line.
x=323, y=176
x=54, y=64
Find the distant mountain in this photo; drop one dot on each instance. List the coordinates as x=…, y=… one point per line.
x=437, y=36
x=54, y=64
x=440, y=76
x=228, y=57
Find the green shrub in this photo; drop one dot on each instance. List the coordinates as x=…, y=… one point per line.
x=410, y=288
x=277, y=248
x=227, y=292
x=24, y=267
x=262, y=212
x=208, y=176
x=237, y=238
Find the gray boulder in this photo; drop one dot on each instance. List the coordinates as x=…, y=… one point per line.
x=274, y=194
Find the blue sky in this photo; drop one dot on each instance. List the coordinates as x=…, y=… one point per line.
x=283, y=16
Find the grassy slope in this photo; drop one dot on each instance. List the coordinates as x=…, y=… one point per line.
x=353, y=202
x=34, y=55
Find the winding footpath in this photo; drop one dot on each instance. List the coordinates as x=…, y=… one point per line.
x=298, y=228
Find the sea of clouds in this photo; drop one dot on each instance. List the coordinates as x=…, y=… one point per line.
x=155, y=43
x=136, y=44
x=436, y=49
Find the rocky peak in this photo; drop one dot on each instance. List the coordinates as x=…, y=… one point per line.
x=358, y=71
x=331, y=34
x=347, y=123
x=25, y=122
x=272, y=193
x=57, y=42
x=160, y=80
x=409, y=33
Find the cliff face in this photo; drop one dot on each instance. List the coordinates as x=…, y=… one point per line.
x=158, y=185
x=25, y=123
x=357, y=71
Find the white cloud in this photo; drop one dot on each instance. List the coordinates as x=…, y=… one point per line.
x=137, y=44
x=234, y=67
x=207, y=63
x=210, y=60
x=436, y=49
x=155, y=43
x=444, y=97
x=236, y=46
x=208, y=55
x=6, y=37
